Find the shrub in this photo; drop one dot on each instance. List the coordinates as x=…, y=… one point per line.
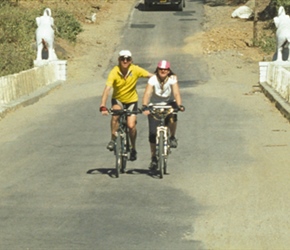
x=17, y=37
x=67, y=26
x=16, y=53
x=267, y=43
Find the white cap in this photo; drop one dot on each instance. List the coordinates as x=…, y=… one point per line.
x=125, y=53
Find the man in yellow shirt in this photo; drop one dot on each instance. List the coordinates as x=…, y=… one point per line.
x=123, y=79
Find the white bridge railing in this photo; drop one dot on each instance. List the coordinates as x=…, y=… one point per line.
x=277, y=75
x=25, y=83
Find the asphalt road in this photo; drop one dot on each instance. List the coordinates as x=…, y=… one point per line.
x=227, y=178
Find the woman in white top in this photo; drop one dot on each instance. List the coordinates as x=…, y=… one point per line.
x=162, y=88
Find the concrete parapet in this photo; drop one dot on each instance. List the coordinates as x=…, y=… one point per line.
x=277, y=75
x=22, y=86
x=60, y=67
x=275, y=83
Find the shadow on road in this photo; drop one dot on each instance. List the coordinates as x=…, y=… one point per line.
x=111, y=172
x=148, y=172
x=105, y=171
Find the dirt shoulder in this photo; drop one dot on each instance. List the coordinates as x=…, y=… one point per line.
x=222, y=32
x=227, y=43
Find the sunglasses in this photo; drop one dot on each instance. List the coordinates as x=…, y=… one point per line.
x=128, y=59
x=163, y=69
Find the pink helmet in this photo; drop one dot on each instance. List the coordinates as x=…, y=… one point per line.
x=164, y=64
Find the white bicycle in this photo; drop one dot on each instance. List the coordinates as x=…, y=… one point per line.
x=160, y=112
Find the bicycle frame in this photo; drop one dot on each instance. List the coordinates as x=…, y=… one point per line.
x=160, y=112
x=122, y=142
x=123, y=130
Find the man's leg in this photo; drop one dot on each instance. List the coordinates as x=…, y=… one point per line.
x=114, y=128
x=132, y=130
x=131, y=123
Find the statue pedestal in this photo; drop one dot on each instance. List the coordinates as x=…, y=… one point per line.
x=263, y=71
x=39, y=63
x=60, y=67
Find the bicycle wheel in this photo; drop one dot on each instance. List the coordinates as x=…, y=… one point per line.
x=165, y=166
x=166, y=157
x=118, y=151
x=161, y=158
x=124, y=155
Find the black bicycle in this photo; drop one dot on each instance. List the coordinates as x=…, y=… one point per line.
x=160, y=112
x=122, y=142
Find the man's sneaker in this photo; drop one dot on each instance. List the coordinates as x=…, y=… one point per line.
x=173, y=142
x=153, y=164
x=111, y=145
x=133, y=155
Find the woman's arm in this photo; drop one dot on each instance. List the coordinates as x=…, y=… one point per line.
x=146, y=98
x=147, y=94
x=176, y=93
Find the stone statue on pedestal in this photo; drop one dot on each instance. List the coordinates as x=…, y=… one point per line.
x=45, y=36
x=282, y=23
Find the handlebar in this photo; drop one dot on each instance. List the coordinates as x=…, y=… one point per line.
x=124, y=111
x=161, y=111
x=164, y=109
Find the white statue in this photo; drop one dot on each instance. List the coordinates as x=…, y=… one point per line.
x=45, y=35
x=282, y=23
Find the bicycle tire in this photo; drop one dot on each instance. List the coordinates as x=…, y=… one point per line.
x=118, y=155
x=161, y=158
x=166, y=158
x=124, y=155
x=165, y=166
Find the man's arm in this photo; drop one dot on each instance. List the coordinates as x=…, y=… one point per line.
x=149, y=75
x=143, y=72
x=105, y=95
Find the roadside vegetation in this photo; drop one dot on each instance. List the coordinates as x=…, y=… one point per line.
x=17, y=33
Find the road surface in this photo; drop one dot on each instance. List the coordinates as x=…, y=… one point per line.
x=228, y=182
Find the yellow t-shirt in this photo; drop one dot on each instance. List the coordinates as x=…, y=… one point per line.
x=124, y=88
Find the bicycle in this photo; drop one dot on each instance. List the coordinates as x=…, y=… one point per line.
x=160, y=112
x=122, y=142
